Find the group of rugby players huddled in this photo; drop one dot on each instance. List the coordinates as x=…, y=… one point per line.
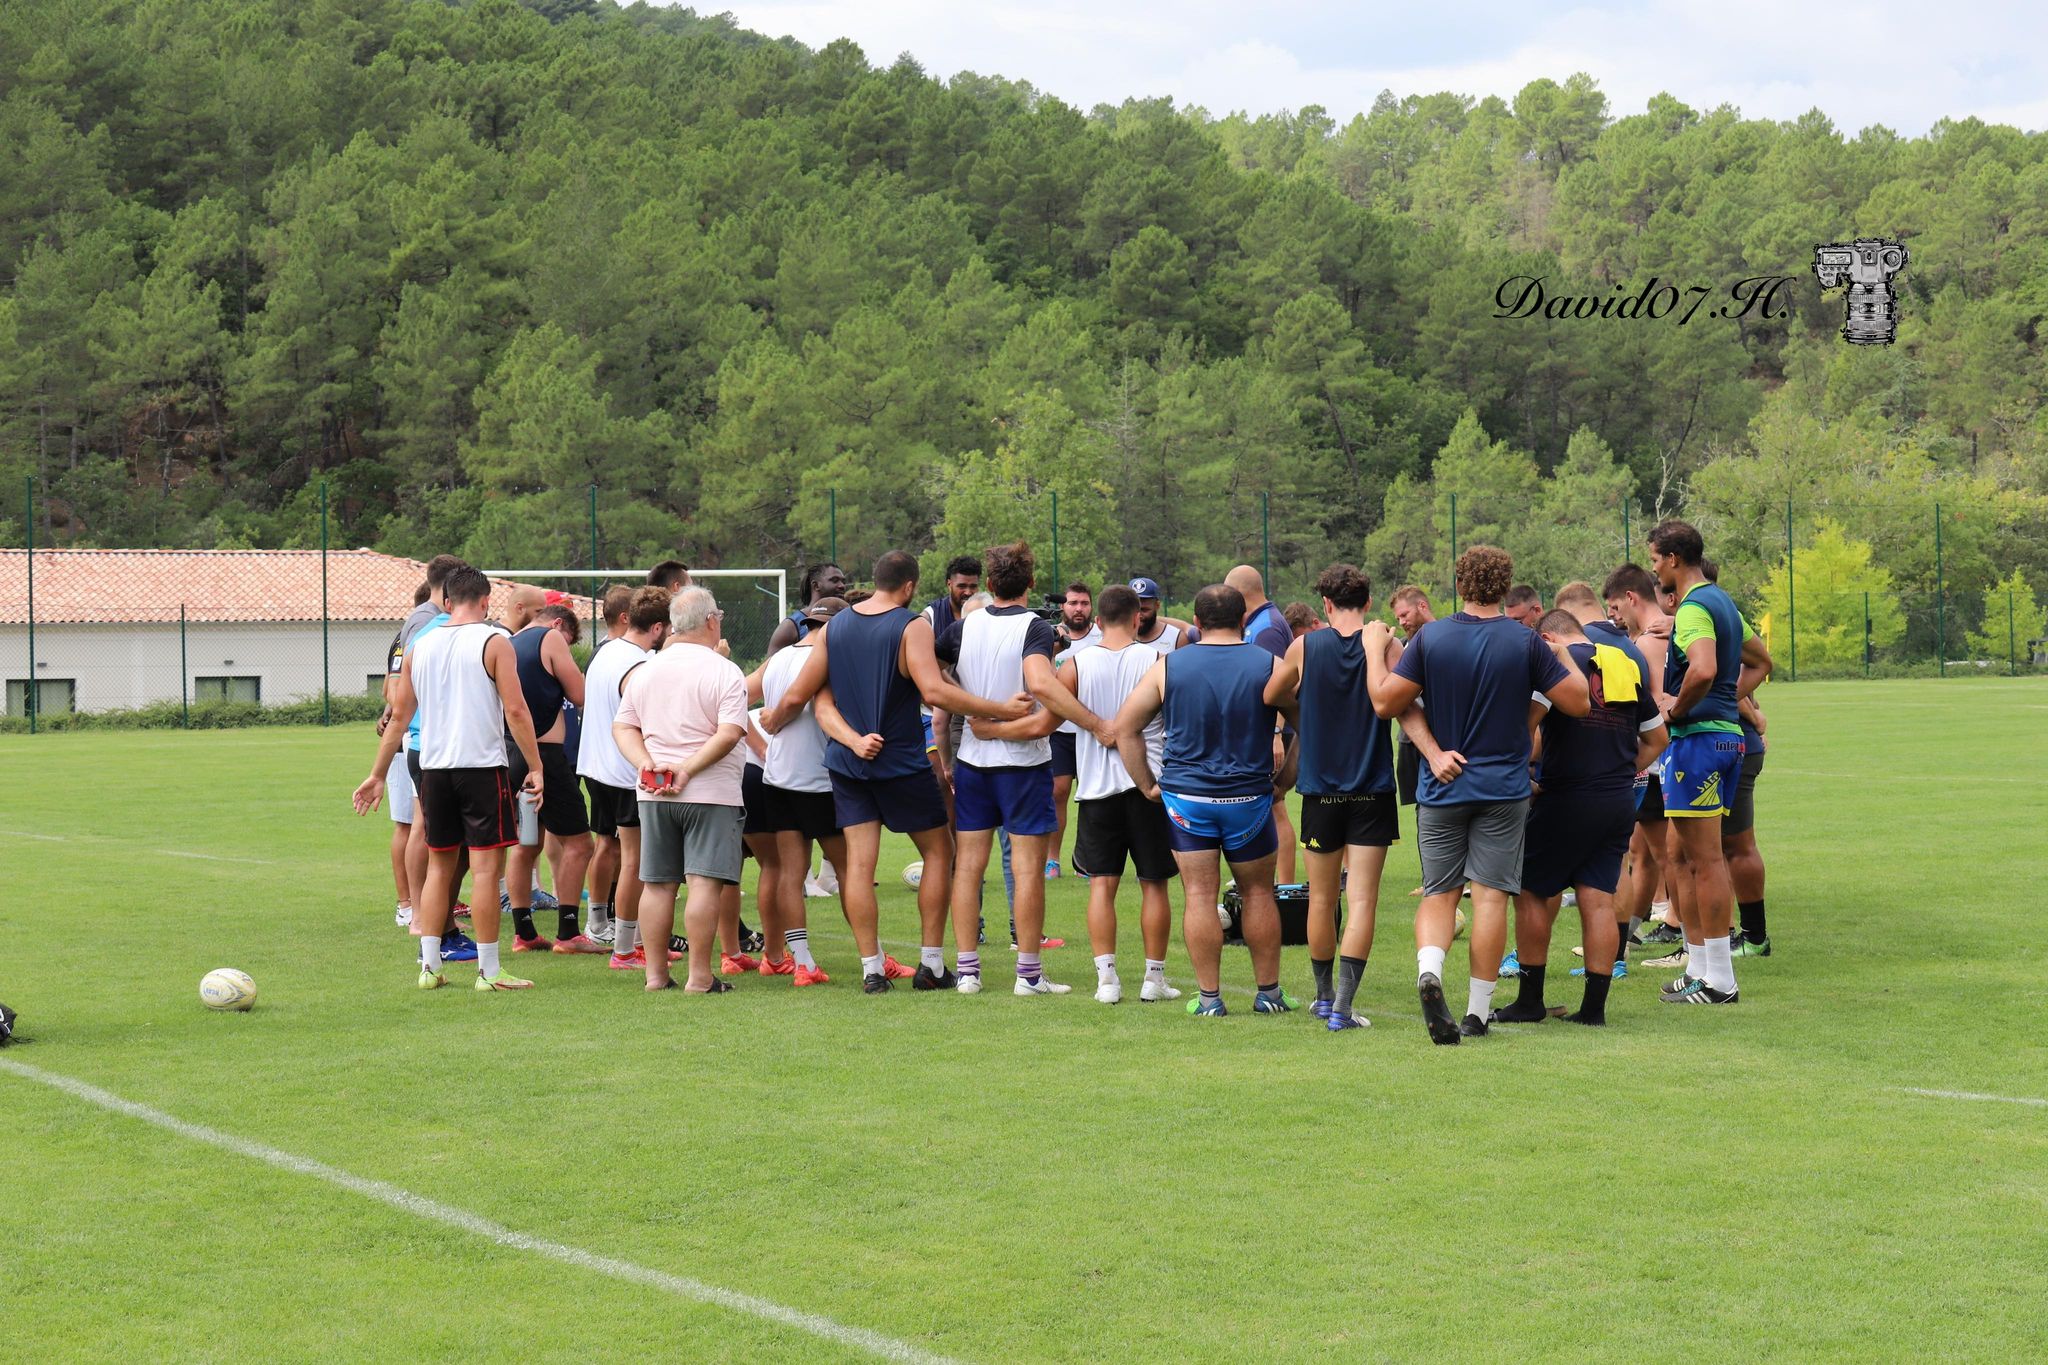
x=1597, y=750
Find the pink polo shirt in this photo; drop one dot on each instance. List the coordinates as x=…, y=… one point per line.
x=679, y=698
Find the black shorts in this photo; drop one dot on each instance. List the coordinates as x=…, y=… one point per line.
x=612, y=808
x=1112, y=828
x=467, y=808
x=1063, y=754
x=811, y=814
x=909, y=804
x=1650, y=802
x=1741, y=817
x=1577, y=839
x=1330, y=823
x=754, y=796
x=412, y=767
x=561, y=800
x=1407, y=771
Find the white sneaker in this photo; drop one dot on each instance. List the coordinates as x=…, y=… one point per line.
x=970, y=984
x=404, y=917
x=606, y=933
x=1045, y=986
x=1107, y=992
x=813, y=891
x=1156, y=990
x=828, y=879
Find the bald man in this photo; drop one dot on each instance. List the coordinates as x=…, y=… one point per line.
x=1265, y=625
x=525, y=605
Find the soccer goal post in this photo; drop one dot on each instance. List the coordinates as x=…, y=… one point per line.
x=754, y=600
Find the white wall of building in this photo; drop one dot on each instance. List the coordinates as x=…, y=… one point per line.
x=131, y=665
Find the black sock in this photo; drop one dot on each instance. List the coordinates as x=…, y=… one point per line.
x=1321, y=967
x=1753, y=921
x=1532, y=984
x=567, y=920
x=1528, y=1007
x=1350, y=971
x=1593, y=1010
x=522, y=922
x=1621, y=948
x=1273, y=989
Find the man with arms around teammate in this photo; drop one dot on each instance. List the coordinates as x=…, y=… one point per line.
x=874, y=663
x=1475, y=673
x=463, y=679
x=548, y=676
x=612, y=778
x=1076, y=630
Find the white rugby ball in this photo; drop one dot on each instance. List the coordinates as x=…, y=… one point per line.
x=913, y=876
x=225, y=988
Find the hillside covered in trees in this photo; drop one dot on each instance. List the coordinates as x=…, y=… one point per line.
x=461, y=261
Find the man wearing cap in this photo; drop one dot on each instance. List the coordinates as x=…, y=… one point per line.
x=1162, y=633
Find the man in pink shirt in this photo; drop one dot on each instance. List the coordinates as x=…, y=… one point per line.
x=680, y=716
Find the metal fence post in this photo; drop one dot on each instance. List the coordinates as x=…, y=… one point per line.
x=594, y=585
x=326, y=695
x=1940, y=602
x=1454, y=545
x=1791, y=599
x=832, y=500
x=184, y=671
x=1866, y=634
x=1266, y=538
x=1624, y=531
x=29, y=690
x=2012, y=652
x=1058, y=584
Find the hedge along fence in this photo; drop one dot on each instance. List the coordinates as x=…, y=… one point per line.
x=206, y=715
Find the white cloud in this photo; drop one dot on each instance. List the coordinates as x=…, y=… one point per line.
x=1873, y=61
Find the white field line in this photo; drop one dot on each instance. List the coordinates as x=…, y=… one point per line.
x=133, y=846
x=432, y=1210
x=1973, y=1095
x=1901, y=777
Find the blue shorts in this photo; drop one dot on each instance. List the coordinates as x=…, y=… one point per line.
x=1577, y=839
x=904, y=805
x=1016, y=799
x=1242, y=826
x=1700, y=773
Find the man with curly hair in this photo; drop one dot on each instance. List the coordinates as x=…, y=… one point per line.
x=1476, y=672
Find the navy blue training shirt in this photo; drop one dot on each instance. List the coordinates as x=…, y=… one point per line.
x=1219, y=730
x=544, y=695
x=1595, y=754
x=1477, y=674
x=1269, y=630
x=1345, y=749
x=862, y=654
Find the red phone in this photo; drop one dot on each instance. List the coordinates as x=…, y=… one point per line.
x=654, y=779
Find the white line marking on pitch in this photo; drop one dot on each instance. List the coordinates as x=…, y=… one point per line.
x=163, y=852
x=214, y=857
x=1972, y=1095
x=888, y=1348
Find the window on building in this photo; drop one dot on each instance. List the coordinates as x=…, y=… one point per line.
x=54, y=696
x=227, y=689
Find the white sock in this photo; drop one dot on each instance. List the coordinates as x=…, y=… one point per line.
x=1155, y=969
x=430, y=952
x=1696, y=960
x=871, y=966
x=1105, y=967
x=1660, y=909
x=799, y=941
x=1429, y=962
x=599, y=914
x=1719, y=968
x=628, y=935
x=934, y=958
x=487, y=959
x=1479, y=997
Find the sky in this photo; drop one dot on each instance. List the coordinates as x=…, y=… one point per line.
x=1861, y=62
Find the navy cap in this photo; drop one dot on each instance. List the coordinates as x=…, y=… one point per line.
x=1146, y=587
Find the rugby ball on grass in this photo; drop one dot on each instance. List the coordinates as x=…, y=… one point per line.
x=913, y=876
x=224, y=988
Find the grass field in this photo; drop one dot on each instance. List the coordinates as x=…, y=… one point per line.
x=994, y=1179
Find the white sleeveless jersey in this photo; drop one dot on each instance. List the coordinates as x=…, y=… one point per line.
x=796, y=753
x=1168, y=641
x=462, y=720
x=598, y=756
x=1104, y=680
x=992, y=665
x=1088, y=641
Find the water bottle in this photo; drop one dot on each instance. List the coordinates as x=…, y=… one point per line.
x=529, y=820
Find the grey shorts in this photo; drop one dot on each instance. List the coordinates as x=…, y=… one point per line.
x=1476, y=841
x=680, y=839
x=1741, y=817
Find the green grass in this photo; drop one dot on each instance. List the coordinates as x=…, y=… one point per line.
x=995, y=1178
